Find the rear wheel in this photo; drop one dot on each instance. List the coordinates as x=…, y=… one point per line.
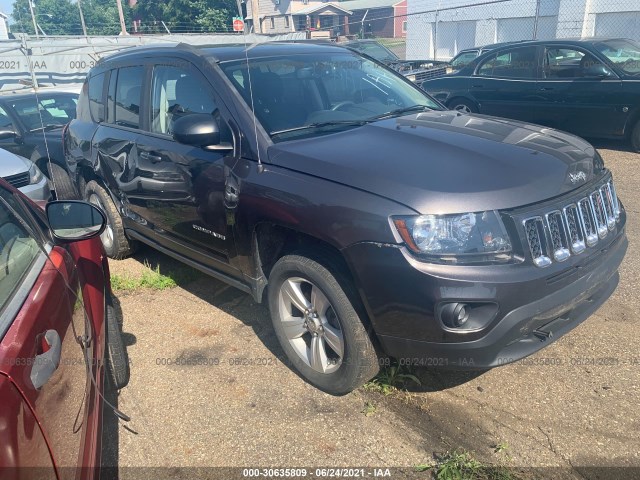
x=635, y=137
x=61, y=182
x=319, y=329
x=115, y=242
x=463, y=105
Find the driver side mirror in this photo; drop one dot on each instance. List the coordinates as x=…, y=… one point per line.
x=597, y=70
x=73, y=220
x=4, y=134
x=199, y=130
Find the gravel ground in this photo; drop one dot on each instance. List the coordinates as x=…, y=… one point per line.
x=247, y=408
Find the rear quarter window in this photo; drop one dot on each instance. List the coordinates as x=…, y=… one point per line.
x=96, y=99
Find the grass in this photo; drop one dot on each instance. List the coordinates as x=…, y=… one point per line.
x=369, y=409
x=391, y=379
x=460, y=465
x=152, y=278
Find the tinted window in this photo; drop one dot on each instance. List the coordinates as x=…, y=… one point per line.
x=128, y=96
x=5, y=121
x=18, y=250
x=177, y=92
x=515, y=63
x=624, y=54
x=96, y=107
x=464, y=59
x=567, y=63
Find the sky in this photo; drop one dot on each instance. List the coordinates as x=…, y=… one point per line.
x=5, y=6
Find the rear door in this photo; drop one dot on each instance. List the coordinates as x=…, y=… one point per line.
x=572, y=100
x=504, y=84
x=41, y=315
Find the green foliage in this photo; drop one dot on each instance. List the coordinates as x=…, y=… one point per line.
x=153, y=279
x=390, y=379
x=369, y=409
x=460, y=465
x=62, y=17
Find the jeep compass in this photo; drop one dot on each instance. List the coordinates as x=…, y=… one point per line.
x=369, y=218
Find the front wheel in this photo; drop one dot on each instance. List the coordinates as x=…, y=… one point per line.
x=61, y=182
x=317, y=325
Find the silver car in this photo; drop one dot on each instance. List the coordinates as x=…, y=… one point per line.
x=24, y=175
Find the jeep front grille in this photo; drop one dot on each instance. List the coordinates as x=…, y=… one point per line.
x=560, y=233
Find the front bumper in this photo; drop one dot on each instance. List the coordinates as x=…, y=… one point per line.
x=535, y=306
x=38, y=191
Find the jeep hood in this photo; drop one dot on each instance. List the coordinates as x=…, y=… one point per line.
x=447, y=162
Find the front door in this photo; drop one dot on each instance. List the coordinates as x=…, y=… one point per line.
x=187, y=200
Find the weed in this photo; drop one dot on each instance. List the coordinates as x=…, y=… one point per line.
x=153, y=279
x=369, y=409
x=390, y=379
x=460, y=465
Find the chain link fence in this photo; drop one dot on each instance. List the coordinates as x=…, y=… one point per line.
x=439, y=30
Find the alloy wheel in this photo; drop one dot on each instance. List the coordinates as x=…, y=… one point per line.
x=107, y=235
x=311, y=325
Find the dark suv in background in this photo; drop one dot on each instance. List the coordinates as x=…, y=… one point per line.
x=366, y=214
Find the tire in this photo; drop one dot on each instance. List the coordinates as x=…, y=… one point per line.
x=635, y=137
x=116, y=354
x=115, y=242
x=463, y=105
x=61, y=182
x=327, y=291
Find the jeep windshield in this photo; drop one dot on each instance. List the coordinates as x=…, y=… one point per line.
x=308, y=95
x=624, y=54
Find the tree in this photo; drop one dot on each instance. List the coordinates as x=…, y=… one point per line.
x=101, y=17
x=54, y=17
x=186, y=15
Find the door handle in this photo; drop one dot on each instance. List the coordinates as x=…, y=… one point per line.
x=477, y=85
x=545, y=89
x=152, y=157
x=46, y=363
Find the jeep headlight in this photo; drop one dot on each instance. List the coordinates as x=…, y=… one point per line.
x=35, y=175
x=464, y=235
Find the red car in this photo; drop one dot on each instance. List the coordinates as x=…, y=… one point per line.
x=58, y=325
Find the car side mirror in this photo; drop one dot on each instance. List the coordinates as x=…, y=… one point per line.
x=4, y=134
x=597, y=70
x=73, y=220
x=200, y=130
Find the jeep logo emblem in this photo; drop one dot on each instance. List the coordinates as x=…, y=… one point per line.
x=577, y=177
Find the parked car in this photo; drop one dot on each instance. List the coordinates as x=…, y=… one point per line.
x=587, y=87
x=24, y=175
x=414, y=70
x=31, y=126
x=355, y=205
x=57, y=326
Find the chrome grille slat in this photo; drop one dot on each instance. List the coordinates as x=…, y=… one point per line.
x=559, y=233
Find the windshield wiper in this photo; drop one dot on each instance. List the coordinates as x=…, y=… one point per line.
x=46, y=128
x=401, y=111
x=311, y=126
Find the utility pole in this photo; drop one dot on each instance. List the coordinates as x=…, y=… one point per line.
x=123, y=26
x=84, y=26
x=33, y=17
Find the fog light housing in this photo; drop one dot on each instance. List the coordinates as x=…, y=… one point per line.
x=466, y=317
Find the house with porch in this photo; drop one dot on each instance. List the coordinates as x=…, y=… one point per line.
x=372, y=18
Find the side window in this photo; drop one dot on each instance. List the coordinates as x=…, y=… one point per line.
x=128, y=96
x=96, y=105
x=177, y=92
x=515, y=63
x=18, y=250
x=567, y=63
x=5, y=120
x=464, y=59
